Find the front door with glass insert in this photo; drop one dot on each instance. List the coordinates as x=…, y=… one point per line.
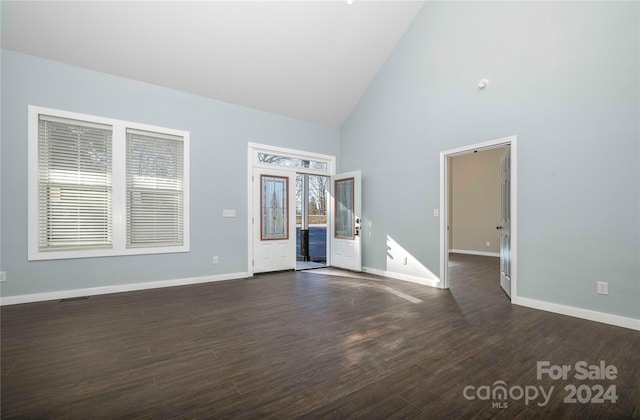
x=274, y=220
x=346, y=221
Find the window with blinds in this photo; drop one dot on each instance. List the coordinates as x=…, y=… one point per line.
x=74, y=184
x=104, y=187
x=155, y=211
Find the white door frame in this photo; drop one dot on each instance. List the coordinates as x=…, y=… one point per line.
x=253, y=150
x=444, y=207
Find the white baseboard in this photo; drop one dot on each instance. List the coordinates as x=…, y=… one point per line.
x=603, y=317
x=405, y=277
x=92, y=291
x=468, y=252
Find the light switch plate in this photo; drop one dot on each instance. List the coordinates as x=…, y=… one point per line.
x=603, y=288
x=228, y=213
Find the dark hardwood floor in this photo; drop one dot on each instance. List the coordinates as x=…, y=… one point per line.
x=317, y=344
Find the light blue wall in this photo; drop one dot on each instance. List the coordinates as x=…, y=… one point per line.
x=219, y=136
x=563, y=77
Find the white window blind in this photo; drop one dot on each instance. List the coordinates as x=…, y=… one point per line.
x=101, y=187
x=74, y=184
x=155, y=209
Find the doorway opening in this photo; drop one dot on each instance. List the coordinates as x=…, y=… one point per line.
x=272, y=174
x=312, y=193
x=481, y=244
x=275, y=177
x=475, y=213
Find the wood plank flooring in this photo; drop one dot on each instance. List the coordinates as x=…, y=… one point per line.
x=315, y=344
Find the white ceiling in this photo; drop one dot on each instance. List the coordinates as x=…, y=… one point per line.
x=310, y=60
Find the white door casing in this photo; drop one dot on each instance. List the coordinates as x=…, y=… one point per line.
x=345, y=223
x=510, y=142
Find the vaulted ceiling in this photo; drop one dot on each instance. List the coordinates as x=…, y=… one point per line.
x=310, y=60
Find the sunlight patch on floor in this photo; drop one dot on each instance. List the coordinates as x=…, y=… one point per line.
x=342, y=273
x=387, y=289
x=333, y=272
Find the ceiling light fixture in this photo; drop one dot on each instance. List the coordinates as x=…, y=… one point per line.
x=349, y=2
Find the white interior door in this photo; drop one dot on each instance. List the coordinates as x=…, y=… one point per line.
x=274, y=229
x=346, y=204
x=505, y=223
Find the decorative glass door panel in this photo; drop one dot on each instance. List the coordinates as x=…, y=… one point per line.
x=274, y=206
x=344, y=211
x=346, y=220
x=273, y=220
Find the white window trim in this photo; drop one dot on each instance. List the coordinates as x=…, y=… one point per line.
x=255, y=149
x=119, y=210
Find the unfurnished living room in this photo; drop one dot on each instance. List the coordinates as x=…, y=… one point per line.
x=320, y=209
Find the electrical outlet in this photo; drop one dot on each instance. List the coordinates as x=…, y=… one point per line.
x=215, y=259
x=488, y=243
x=603, y=288
x=3, y=276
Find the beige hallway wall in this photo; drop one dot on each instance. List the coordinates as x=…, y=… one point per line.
x=475, y=201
